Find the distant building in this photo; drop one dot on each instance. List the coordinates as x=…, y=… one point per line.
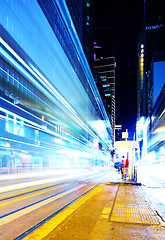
x=151, y=81
x=154, y=29
x=156, y=102
x=141, y=82
x=152, y=39
x=118, y=132
x=105, y=80
x=82, y=15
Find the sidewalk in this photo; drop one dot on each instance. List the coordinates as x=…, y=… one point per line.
x=117, y=211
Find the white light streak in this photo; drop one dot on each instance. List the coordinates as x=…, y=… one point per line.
x=41, y=78
x=37, y=74
x=65, y=175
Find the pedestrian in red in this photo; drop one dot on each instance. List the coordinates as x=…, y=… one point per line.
x=125, y=164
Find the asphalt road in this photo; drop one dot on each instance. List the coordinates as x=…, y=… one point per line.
x=76, y=199
x=29, y=199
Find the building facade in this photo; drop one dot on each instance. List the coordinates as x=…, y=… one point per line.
x=105, y=80
x=51, y=111
x=151, y=82
x=82, y=15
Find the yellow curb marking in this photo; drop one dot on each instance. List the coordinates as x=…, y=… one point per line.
x=49, y=226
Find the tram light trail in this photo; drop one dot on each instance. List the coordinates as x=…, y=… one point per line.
x=49, y=99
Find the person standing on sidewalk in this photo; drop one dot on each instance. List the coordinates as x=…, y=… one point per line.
x=121, y=167
x=124, y=167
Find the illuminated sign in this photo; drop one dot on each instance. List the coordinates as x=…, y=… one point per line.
x=4, y=144
x=125, y=135
x=154, y=27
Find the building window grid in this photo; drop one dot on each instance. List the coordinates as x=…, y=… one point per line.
x=22, y=87
x=21, y=83
x=63, y=36
x=19, y=88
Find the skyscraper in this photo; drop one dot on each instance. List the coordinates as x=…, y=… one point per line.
x=151, y=79
x=152, y=39
x=82, y=15
x=105, y=78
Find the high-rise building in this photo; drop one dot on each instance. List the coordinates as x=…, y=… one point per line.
x=152, y=39
x=82, y=15
x=105, y=80
x=154, y=20
x=141, y=82
x=151, y=81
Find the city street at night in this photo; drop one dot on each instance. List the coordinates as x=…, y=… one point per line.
x=82, y=120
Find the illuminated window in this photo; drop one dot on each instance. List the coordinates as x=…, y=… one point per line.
x=107, y=85
x=87, y=22
x=88, y=4
x=107, y=94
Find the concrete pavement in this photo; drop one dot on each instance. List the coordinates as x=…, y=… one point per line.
x=116, y=211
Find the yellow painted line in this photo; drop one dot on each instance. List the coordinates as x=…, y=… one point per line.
x=105, y=213
x=29, y=190
x=32, y=195
x=24, y=211
x=49, y=226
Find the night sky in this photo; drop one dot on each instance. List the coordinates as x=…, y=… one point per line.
x=117, y=27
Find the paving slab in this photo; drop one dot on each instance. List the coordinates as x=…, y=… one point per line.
x=116, y=211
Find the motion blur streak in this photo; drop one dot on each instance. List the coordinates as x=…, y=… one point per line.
x=70, y=175
x=50, y=105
